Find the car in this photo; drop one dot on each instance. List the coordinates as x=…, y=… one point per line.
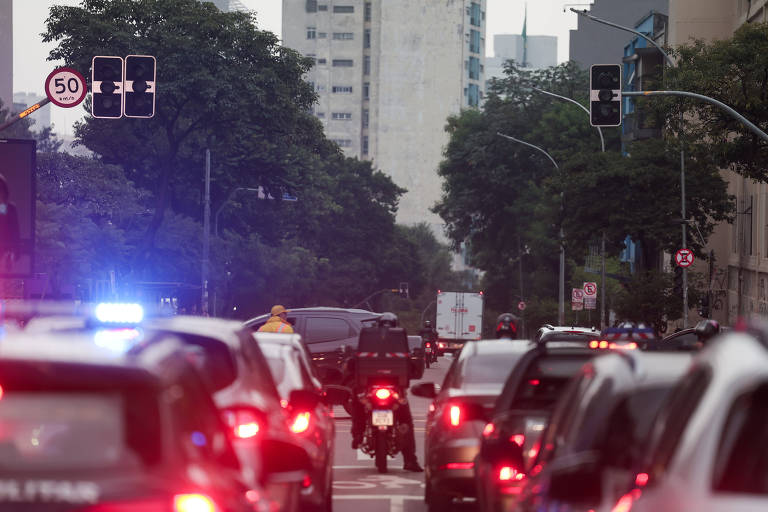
x=598, y=430
x=708, y=448
x=90, y=424
x=244, y=391
x=457, y=415
x=523, y=408
x=291, y=368
x=329, y=334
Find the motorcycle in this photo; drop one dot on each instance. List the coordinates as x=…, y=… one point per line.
x=383, y=432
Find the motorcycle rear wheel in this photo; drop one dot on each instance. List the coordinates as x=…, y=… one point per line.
x=381, y=450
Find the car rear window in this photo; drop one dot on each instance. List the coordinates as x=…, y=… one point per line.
x=212, y=357
x=486, y=369
x=545, y=380
x=49, y=431
x=283, y=367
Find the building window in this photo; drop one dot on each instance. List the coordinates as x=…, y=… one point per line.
x=321, y=61
x=311, y=5
x=320, y=115
x=311, y=33
x=473, y=95
x=322, y=35
x=367, y=38
x=366, y=90
x=342, y=89
x=322, y=7
x=365, y=144
x=344, y=9
x=474, y=68
x=366, y=120
x=341, y=116
x=343, y=63
x=319, y=88
x=343, y=143
x=474, y=41
x=367, y=65
x=343, y=36
x=474, y=14
x=367, y=11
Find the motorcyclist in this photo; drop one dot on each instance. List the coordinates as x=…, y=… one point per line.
x=506, y=326
x=386, y=325
x=429, y=335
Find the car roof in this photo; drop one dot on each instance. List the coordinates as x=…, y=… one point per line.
x=221, y=329
x=494, y=346
x=320, y=309
x=735, y=354
x=646, y=368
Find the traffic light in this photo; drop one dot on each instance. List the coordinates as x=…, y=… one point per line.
x=139, y=86
x=678, y=287
x=107, y=87
x=605, y=95
x=704, y=306
x=404, y=290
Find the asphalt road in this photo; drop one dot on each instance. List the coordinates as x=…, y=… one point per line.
x=359, y=487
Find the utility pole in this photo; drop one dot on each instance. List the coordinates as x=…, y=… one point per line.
x=522, y=299
x=206, y=232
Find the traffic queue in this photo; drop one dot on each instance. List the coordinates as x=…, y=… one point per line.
x=106, y=409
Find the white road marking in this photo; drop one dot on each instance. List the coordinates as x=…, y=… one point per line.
x=375, y=497
x=362, y=456
x=351, y=467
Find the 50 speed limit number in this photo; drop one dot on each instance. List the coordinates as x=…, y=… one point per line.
x=65, y=87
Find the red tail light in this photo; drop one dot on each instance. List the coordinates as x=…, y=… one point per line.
x=454, y=415
x=641, y=479
x=300, y=423
x=594, y=344
x=383, y=394
x=489, y=429
x=625, y=502
x=518, y=439
x=603, y=344
x=243, y=422
x=458, y=465
x=428, y=345
x=510, y=474
x=441, y=345
x=193, y=503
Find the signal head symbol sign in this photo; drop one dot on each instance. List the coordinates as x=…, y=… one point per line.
x=684, y=258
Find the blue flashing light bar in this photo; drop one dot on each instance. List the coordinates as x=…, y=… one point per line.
x=123, y=314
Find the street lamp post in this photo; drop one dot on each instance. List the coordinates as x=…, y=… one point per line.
x=561, y=301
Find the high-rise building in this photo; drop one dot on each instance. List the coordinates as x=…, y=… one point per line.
x=541, y=53
x=6, y=53
x=388, y=73
x=595, y=43
x=228, y=5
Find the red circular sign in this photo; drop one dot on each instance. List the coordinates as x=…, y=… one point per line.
x=65, y=87
x=521, y=305
x=684, y=258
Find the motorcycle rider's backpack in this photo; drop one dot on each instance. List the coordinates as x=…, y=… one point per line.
x=382, y=357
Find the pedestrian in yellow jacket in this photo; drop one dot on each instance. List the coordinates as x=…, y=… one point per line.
x=278, y=321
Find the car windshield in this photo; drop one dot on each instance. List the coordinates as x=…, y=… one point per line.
x=486, y=369
x=49, y=431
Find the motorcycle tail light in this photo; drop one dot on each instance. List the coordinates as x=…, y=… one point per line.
x=382, y=394
x=510, y=474
x=300, y=423
x=518, y=439
x=193, y=503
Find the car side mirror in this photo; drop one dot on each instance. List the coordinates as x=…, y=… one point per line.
x=577, y=481
x=303, y=399
x=284, y=461
x=336, y=395
x=424, y=390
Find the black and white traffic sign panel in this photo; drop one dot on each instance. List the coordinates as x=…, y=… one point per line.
x=684, y=258
x=590, y=289
x=577, y=295
x=65, y=87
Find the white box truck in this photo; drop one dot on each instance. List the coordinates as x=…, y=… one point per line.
x=459, y=319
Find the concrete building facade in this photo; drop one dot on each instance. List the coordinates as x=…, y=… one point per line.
x=6, y=53
x=388, y=74
x=594, y=43
x=542, y=53
x=739, y=272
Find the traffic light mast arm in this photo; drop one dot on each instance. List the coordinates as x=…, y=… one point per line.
x=378, y=292
x=743, y=120
x=21, y=115
x=585, y=109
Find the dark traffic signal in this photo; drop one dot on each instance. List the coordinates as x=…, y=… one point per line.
x=605, y=95
x=107, y=87
x=404, y=290
x=678, y=281
x=139, y=86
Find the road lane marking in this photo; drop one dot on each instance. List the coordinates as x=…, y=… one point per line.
x=351, y=467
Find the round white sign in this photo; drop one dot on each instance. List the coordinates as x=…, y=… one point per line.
x=65, y=87
x=590, y=289
x=684, y=258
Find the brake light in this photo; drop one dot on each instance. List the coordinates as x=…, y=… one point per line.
x=629, y=346
x=432, y=407
x=603, y=344
x=300, y=423
x=510, y=474
x=244, y=423
x=1, y=392
x=489, y=429
x=641, y=479
x=428, y=345
x=383, y=394
x=193, y=503
x=518, y=439
x=458, y=465
x=441, y=345
x=594, y=344
x=625, y=502
x=534, y=382
x=454, y=415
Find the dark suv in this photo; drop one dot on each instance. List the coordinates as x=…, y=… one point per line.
x=327, y=332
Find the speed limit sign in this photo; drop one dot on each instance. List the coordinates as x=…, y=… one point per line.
x=65, y=87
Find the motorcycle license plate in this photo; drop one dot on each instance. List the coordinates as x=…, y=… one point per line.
x=383, y=418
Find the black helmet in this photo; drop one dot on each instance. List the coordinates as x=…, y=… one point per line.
x=427, y=323
x=705, y=329
x=506, y=325
x=387, y=320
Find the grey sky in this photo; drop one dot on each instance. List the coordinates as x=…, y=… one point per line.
x=30, y=68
